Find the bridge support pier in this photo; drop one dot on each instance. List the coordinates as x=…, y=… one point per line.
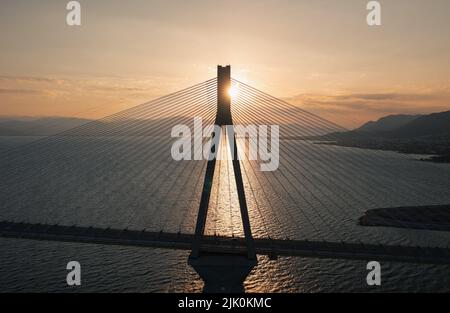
x=223, y=272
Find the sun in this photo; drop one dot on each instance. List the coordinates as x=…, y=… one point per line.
x=233, y=91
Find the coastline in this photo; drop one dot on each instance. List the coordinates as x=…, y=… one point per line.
x=435, y=217
x=428, y=152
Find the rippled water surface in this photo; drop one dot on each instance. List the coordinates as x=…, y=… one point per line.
x=318, y=193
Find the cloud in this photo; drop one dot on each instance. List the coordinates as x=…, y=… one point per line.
x=373, y=102
x=354, y=109
x=388, y=96
x=26, y=79
x=67, y=88
x=6, y=91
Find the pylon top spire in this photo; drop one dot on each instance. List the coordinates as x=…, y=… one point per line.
x=223, y=96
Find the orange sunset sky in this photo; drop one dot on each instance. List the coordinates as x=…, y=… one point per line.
x=320, y=55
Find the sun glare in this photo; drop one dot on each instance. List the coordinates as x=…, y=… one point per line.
x=233, y=91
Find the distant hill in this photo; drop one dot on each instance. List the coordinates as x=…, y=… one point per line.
x=407, y=127
x=38, y=127
x=416, y=134
x=433, y=125
x=120, y=127
x=387, y=123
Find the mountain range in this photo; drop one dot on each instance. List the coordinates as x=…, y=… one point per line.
x=46, y=126
x=435, y=125
x=415, y=134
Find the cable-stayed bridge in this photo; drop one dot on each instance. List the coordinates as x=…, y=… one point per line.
x=114, y=181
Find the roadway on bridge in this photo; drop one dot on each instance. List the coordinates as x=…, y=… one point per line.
x=226, y=245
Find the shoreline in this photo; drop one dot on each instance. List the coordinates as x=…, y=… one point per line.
x=428, y=155
x=435, y=217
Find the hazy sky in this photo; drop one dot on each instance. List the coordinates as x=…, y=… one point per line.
x=319, y=54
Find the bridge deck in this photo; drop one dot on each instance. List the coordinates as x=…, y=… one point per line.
x=218, y=244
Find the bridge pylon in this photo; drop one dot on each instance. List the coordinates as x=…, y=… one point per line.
x=223, y=272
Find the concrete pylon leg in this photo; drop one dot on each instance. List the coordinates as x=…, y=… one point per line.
x=223, y=273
